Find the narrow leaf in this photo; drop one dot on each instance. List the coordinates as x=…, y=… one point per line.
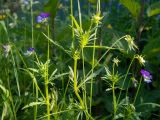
x=33, y=104
x=153, y=9
x=132, y=6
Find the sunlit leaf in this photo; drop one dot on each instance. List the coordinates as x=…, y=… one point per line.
x=133, y=6
x=152, y=50
x=33, y=104
x=2, y=23
x=153, y=9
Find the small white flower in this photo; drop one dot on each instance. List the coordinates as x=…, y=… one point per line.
x=140, y=59
x=97, y=18
x=7, y=49
x=131, y=43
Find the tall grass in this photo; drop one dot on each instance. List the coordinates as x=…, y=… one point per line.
x=72, y=97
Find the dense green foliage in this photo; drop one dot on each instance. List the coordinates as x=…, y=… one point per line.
x=79, y=60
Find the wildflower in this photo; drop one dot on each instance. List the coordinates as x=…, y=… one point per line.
x=116, y=61
x=42, y=67
x=42, y=17
x=131, y=43
x=112, y=77
x=97, y=18
x=146, y=75
x=85, y=37
x=29, y=52
x=12, y=25
x=7, y=49
x=140, y=59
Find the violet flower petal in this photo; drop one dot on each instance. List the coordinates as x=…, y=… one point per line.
x=39, y=19
x=146, y=75
x=44, y=15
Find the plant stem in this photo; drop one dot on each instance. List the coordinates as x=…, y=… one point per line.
x=32, y=44
x=93, y=57
x=36, y=107
x=46, y=79
x=10, y=93
x=104, y=55
x=71, y=4
x=79, y=12
x=137, y=90
x=84, y=86
x=47, y=97
x=75, y=84
x=114, y=100
x=31, y=3
x=125, y=79
x=93, y=64
x=15, y=72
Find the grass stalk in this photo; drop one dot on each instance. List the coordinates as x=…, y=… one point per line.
x=125, y=80
x=75, y=84
x=84, y=86
x=36, y=107
x=114, y=100
x=137, y=91
x=47, y=78
x=93, y=57
x=32, y=44
x=104, y=55
x=10, y=95
x=79, y=14
x=32, y=30
x=72, y=23
x=113, y=92
x=93, y=63
x=15, y=72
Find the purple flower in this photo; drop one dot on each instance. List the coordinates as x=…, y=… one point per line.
x=29, y=52
x=39, y=19
x=31, y=49
x=42, y=17
x=146, y=75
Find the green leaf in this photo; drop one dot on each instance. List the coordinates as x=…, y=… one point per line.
x=153, y=105
x=51, y=7
x=33, y=104
x=152, y=50
x=4, y=26
x=76, y=24
x=57, y=44
x=132, y=6
x=153, y=9
x=33, y=70
x=5, y=91
x=93, y=75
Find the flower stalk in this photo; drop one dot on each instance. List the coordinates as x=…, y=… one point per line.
x=76, y=57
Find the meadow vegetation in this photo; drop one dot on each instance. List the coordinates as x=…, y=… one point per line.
x=79, y=60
